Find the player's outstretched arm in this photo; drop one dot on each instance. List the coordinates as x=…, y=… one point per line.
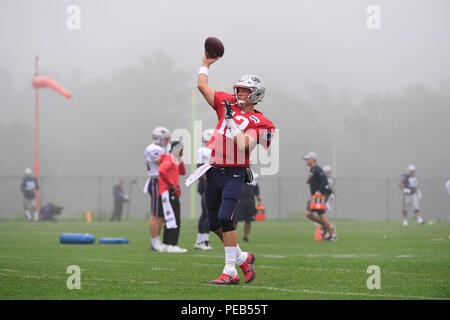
x=207, y=91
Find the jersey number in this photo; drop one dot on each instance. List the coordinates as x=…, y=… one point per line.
x=30, y=185
x=241, y=126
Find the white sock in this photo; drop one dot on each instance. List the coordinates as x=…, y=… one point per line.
x=240, y=256
x=29, y=217
x=230, y=261
x=36, y=216
x=419, y=219
x=156, y=242
x=204, y=237
x=199, y=237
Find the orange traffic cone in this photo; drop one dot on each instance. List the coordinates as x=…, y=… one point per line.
x=318, y=235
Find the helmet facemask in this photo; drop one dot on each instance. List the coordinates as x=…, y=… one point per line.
x=250, y=97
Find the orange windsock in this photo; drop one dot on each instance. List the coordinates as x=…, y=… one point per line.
x=49, y=82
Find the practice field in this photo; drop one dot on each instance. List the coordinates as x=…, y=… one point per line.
x=414, y=262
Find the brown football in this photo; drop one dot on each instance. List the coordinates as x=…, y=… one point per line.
x=214, y=47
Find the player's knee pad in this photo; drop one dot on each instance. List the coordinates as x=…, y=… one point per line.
x=227, y=225
x=213, y=222
x=214, y=227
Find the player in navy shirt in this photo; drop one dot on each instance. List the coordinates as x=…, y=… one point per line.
x=119, y=198
x=202, y=156
x=28, y=187
x=318, y=184
x=245, y=209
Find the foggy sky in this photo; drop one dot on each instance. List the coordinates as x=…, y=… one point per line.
x=290, y=44
x=309, y=53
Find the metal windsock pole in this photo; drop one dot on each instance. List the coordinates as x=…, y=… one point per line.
x=42, y=82
x=36, y=131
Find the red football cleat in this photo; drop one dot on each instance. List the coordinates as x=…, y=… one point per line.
x=225, y=279
x=247, y=268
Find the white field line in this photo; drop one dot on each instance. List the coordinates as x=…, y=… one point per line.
x=275, y=267
x=344, y=293
x=317, y=269
x=337, y=256
x=43, y=277
x=78, y=258
x=274, y=256
x=206, y=256
x=149, y=282
x=204, y=264
x=312, y=255
x=271, y=256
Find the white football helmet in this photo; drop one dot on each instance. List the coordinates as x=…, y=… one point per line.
x=207, y=134
x=254, y=84
x=411, y=167
x=161, y=135
x=28, y=172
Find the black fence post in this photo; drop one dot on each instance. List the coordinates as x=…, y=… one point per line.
x=99, y=195
x=41, y=193
x=279, y=198
x=387, y=200
x=335, y=199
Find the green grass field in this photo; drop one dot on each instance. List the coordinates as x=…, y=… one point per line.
x=414, y=262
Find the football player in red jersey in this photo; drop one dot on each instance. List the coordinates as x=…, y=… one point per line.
x=239, y=130
x=171, y=167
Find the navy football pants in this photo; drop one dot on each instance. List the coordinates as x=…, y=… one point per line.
x=223, y=187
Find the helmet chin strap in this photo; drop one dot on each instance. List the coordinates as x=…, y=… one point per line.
x=241, y=103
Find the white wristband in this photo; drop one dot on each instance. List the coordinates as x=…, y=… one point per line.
x=203, y=70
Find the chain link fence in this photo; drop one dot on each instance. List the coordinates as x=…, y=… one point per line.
x=283, y=197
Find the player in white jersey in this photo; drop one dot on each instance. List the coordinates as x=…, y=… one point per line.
x=202, y=156
x=328, y=173
x=410, y=194
x=153, y=152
